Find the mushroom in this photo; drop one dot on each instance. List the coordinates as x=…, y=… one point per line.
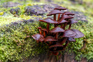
x=69, y=13
x=59, y=8
x=63, y=40
x=71, y=39
x=69, y=33
x=38, y=37
x=48, y=20
x=50, y=39
x=65, y=17
x=62, y=21
x=71, y=22
x=58, y=47
x=44, y=32
x=40, y=31
x=78, y=33
x=57, y=30
x=54, y=12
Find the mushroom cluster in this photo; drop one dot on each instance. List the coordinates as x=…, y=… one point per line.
x=58, y=38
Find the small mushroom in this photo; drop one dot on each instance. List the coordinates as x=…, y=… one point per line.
x=78, y=33
x=48, y=20
x=57, y=30
x=50, y=39
x=71, y=22
x=62, y=21
x=44, y=32
x=69, y=13
x=59, y=8
x=54, y=12
x=71, y=39
x=38, y=37
x=58, y=47
x=40, y=31
x=69, y=33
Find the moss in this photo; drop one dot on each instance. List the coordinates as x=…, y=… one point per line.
x=16, y=42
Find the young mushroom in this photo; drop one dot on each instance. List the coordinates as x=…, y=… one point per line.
x=38, y=37
x=50, y=39
x=44, y=32
x=59, y=8
x=71, y=39
x=57, y=30
x=71, y=22
x=54, y=12
x=48, y=20
x=62, y=21
x=40, y=31
x=78, y=33
x=69, y=13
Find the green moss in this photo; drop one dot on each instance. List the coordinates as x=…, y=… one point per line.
x=14, y=43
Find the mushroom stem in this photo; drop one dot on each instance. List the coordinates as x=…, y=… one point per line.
x=40, y=31
x=58, y=16
x=44, y=33
x=65, y=45
x=64, y=40
x=55, y=17
x=37, y=41
x=56, y=36
x=48, y=27
x=69, y=26
x=64, y=25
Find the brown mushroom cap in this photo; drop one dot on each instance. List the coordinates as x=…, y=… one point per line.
x=78, y=33
x=49, y=38
x=60, y=8
x=71, y=39
x=38, y=37
x=53, y=12
x=39, y=27
x=69, y=33
x=69, y=13
x=44, y=30
x=57, y=29
x=67, y=17
x=60, y=48
x=48, y=20
x=56, y=45
x=62, y=21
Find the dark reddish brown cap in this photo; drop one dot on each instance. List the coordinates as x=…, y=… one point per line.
x=38, y=37
x=78, y=33
x=71, y=39
x=49, y=38
x=67, y=17
x=48, y=20
x=56, y=45
x=57, y=29
x=39, y=27
x=69, y=33
x=62, y=21
x=69, y=13
x=53, y=12
x=45, y=30
x=60, y=8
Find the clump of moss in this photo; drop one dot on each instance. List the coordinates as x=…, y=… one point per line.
x=16, y=42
